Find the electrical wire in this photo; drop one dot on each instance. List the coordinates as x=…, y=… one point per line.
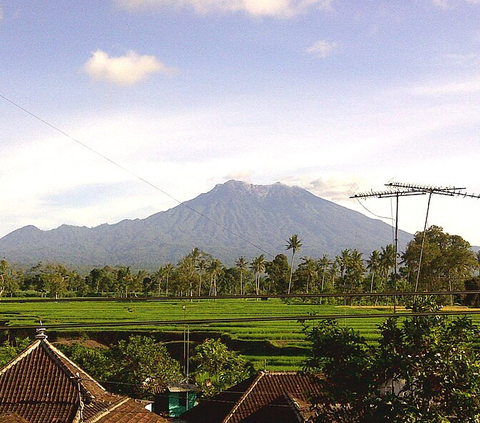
x=135, y=175
x=300, y=318
x=373, y=214
x=236, y=297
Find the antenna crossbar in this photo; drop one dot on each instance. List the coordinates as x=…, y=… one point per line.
x=429, y=189
x=388, y=193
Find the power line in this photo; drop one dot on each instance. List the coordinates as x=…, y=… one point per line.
x=239, y=297
x=372, y=213
x=299, y=318
x=135, y=175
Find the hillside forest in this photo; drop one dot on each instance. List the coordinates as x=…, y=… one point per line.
x=447, y=263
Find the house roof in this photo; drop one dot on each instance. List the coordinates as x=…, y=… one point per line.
x=42, y=385
x=268, y=396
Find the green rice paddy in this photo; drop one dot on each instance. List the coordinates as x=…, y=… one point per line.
x=278, y=345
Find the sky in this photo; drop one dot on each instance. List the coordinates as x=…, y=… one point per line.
x=118, y=109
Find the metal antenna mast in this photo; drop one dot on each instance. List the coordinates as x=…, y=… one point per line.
x=430, y=190
x=397, y=193
x=399, y=189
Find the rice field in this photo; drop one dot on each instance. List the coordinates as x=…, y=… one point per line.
x=277, y=345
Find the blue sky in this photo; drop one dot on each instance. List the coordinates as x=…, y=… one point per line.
x=334, y=96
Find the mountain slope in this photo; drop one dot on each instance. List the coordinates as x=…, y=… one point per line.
x=228, y=221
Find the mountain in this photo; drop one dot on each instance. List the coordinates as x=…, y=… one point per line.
x=231, y=220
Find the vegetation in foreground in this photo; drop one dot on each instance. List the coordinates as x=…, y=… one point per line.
x=424, y=369
x=140, y=366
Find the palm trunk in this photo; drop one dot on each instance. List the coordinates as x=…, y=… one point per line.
x=291, y=274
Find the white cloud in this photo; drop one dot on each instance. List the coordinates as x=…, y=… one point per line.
x=278, y=8
x=452, y=88
x=123, y=70
x=322, y=48
x=334, y=188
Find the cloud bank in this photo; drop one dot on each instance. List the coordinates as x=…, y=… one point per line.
x=469, y=86
x=322, y=49
x=123, y=70
x=277, y=8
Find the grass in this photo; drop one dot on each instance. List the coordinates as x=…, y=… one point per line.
x=281, y=345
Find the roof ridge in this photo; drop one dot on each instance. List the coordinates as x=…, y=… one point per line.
x=58, y=355
x=96, y=418
x=292, y=401
x=281, y=372
x=242, y=398
x=53, y=354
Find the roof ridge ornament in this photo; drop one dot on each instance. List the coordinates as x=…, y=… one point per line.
x=41, y=335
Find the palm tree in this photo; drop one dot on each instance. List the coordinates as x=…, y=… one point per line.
x=334, y=269
x=215, y=269
x=309, y=266
x=138, y=280
x=158, y=276
x=356, y=269
x=195, y=255
x=258, y=267
x=323, y=264
x=201, y=267
x=477, y=258
x=373, y=264
x=293, y=244
x=241, y=264
x=343, y=261
x=387, y=261
x=167, y=270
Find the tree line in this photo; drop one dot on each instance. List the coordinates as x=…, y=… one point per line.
x=447, y=262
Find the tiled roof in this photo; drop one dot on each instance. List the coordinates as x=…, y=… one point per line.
x=130, y=411
x=40, y=386
x=215, y=409
x=11, y=418
x=269, y=396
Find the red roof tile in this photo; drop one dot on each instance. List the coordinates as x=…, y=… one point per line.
x=270, y=396
x=40, y=386
x=11, y=418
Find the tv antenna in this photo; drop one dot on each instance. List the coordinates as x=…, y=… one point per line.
x=391, y=193
x=399, y=189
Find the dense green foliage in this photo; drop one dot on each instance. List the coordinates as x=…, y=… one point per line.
x=9, y=350
x=145, y=364
x=424, y=369
x=139, y=366
x=447, y=260
x=217, y=368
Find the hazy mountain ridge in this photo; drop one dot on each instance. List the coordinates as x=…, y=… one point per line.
x=264, y=215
